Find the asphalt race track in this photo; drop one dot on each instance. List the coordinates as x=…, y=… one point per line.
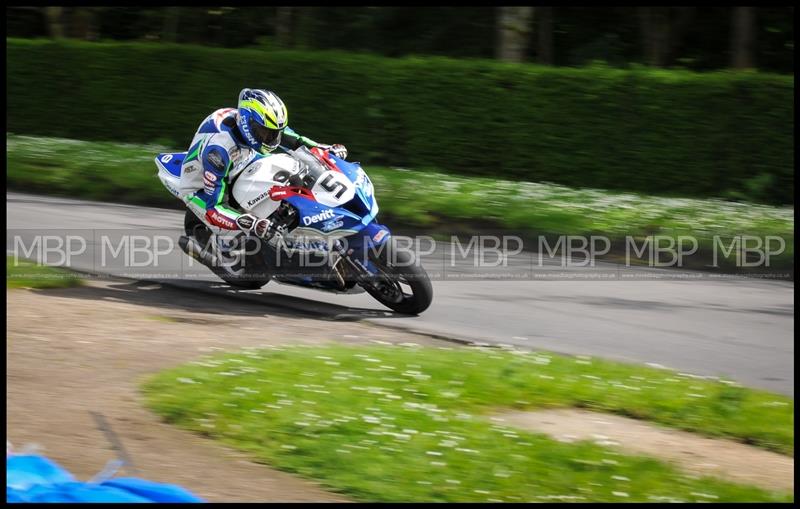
x=695, y=322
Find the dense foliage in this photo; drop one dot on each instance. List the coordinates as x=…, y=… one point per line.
x=726, y=134
x=698, y=38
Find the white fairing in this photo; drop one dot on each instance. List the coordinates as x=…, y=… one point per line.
x=252, y=187
x=333, y=188
x=170, y=181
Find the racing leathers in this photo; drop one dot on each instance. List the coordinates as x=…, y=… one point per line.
x=217, y=154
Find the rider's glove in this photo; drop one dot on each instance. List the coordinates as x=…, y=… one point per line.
x=338, y=150
x=263, y=228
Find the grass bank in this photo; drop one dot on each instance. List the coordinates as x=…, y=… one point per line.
x=405, y=423
x=26, y=274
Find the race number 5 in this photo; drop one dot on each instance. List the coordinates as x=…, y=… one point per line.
x=331, y=187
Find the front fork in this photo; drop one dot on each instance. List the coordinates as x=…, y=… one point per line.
x=374, y=236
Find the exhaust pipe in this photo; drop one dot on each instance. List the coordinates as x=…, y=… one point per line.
x=192, y=248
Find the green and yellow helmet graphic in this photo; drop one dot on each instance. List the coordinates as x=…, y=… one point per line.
x=262, y=118
x=266, y=106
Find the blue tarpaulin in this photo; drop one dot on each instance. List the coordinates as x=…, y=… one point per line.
x=31, y=478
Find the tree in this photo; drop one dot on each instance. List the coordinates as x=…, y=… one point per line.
x=684, y=18
x=513, y=29
x=305, y=23
x=743, y=38
x=700, y=38
x=54, y=24
x=655, y=34
x=82, y=23
x=170, y=26
x=283, y=25
x=544, y=52
x=663, y=31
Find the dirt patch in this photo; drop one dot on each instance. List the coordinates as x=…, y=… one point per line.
x=74, y=351
x=705, y=456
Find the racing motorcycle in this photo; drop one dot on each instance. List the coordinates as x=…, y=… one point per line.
x=327, y=236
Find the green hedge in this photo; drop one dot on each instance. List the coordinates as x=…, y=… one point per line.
x=656, y=131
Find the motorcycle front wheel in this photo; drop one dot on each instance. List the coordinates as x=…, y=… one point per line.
x=401, y=284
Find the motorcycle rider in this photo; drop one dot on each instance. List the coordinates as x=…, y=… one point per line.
x=225, y=143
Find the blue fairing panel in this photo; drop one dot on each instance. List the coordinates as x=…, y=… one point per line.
x=348, y=168
x=372, y=235
x=376, y=233
x=351, y=171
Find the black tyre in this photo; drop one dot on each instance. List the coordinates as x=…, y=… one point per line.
x=194, y=227
x=403, y=285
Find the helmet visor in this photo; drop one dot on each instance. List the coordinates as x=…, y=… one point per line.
x=264, y=135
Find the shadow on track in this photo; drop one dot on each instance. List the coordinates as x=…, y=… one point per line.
x=215, y=298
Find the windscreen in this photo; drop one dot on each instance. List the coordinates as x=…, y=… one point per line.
x=310, y=168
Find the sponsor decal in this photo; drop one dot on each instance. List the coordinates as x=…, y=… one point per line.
x=171, y=189
x=189, y=169
x=363, y=182
x=235, y=153
x=208, y=185
x=246, y=131
x=380, y=235
x=240, y=158
x=258, y=198
x=215, y=158
x=166, y=158
x=322, y=216
x=307, y=245
x=332, y=225
x=209, y=182
x=278, y=193
x=218, y=219
x=245, y=222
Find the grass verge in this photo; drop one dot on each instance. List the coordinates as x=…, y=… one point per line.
x=26, y=274
x=405, y=423
x=426, y=199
